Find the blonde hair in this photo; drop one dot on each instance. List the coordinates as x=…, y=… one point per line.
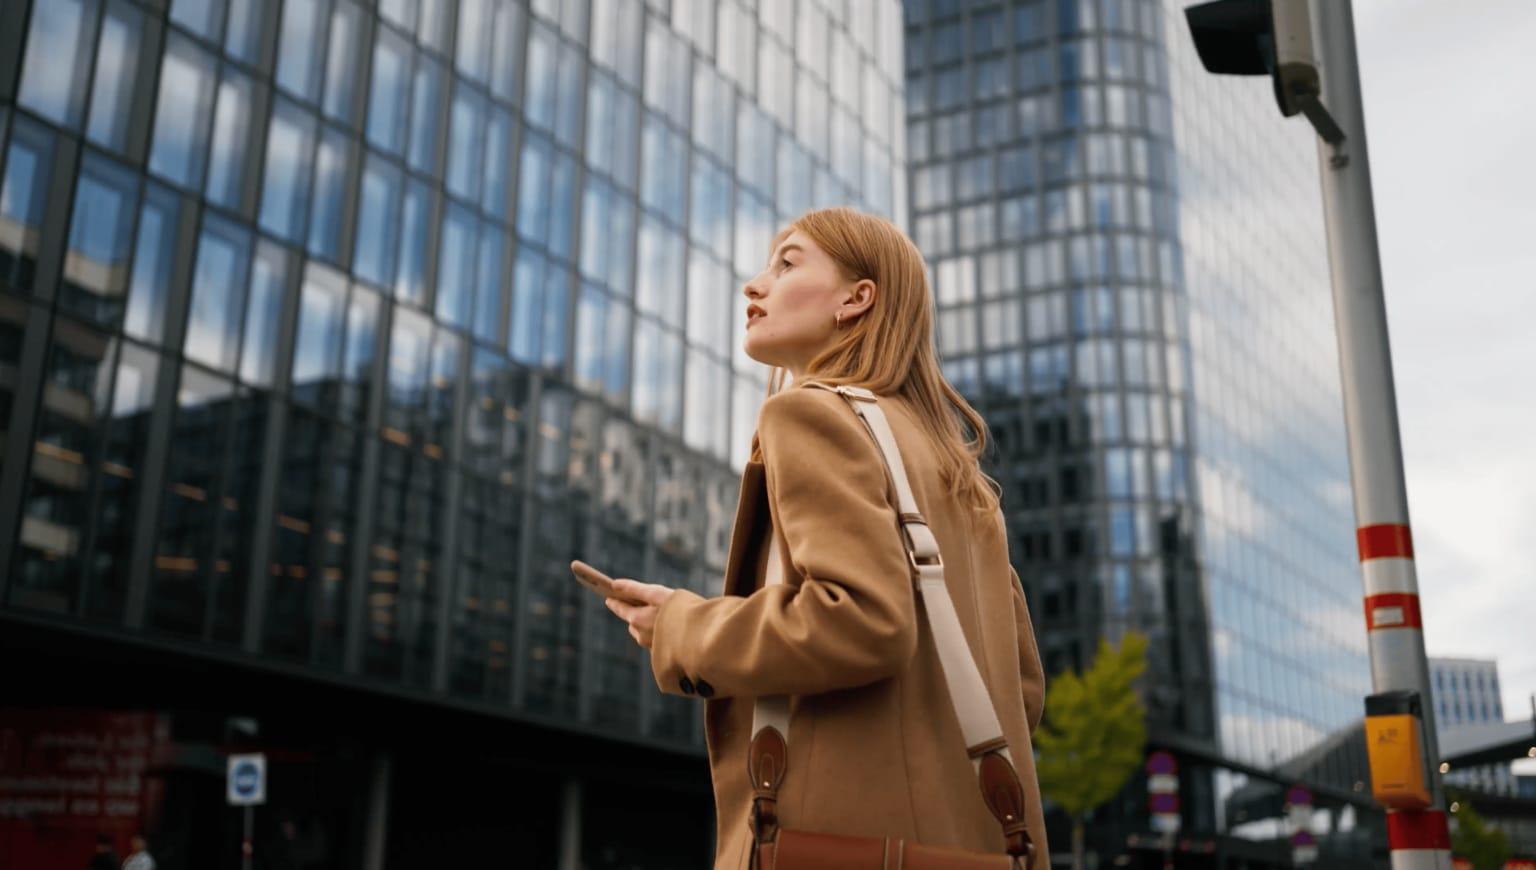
x=890, y=349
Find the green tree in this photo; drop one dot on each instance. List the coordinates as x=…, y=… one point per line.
x=1471, y=838
x=1095, y=733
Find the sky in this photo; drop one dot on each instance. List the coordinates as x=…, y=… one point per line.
x=1451, y=132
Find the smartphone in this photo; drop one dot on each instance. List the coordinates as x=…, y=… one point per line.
x=597, y=581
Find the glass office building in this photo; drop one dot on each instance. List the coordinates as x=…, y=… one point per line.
x=1131, y=273
x=331, y=331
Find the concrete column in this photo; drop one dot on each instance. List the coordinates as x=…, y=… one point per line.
x=375, y=835
x=570, y=825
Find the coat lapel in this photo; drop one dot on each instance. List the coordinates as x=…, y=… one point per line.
x=750, y=524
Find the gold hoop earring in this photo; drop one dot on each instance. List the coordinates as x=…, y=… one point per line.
x=839, y=319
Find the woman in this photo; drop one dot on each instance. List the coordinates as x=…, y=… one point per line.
x=874, y=746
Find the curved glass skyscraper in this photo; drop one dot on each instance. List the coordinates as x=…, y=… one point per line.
x=1132, y=283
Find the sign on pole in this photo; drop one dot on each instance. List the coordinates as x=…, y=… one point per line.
x=1163, y=791
x=247, y=781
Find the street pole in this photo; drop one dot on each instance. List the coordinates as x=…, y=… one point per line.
x=246, y=846
x=1419, y=838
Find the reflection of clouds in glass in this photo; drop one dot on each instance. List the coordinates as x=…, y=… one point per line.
x=289, y=142
x=227, y=150
x=218, y=295
x=49, y=78
x=182, y=112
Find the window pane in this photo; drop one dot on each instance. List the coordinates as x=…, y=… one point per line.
x=709, y=304
x=659, y=285
x=299, y=48
x=472, y=48
x=330, y=193
x=57, y=501
x=562, y=197
x=13, y=325
x=589, y=338
x=387, y=93
x=456, y=266
x=361, y=350
x=620, y=332
x=506, y=59
x=155, y=249
x=436, y=23
x=710, y=218
x=543, y=76
x=53, y=70
x=568, y=108
x=595, y=206
x=409, y=345
x=183, y=112
x=317, y=346
x=665, y=157
x=341, y=64
x=495, y=194
x=527, y=282
x=23, y=199
x=556, y=303
x=706, y=383
x=533, y=203
x=754, y=232
x=100, y=238
x=269, y=279
x=184, y=576
x=427, y=96
x=411, y=278
x=218, y=293
x=489, y=295
x=117, y=62
x=122, y=469
x=378, y=222
x=290, y=150
x=466, y=132
x=228, y=163
x=203, y=17
x=242, y=39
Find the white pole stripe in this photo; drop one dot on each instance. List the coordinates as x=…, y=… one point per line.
x=1395, y=574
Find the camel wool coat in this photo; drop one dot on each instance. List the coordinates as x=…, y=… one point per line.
x=875, y=748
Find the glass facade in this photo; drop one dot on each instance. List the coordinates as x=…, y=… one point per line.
x=1131, y=273
x=334, y=330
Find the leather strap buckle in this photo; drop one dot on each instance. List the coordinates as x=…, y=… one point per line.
x=763, y=820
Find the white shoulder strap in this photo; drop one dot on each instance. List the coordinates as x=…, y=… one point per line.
x=973, y=706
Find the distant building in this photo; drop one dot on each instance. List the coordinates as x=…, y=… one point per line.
x=1466, y=694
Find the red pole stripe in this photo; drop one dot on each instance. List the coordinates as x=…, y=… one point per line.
x=1418, y=829
x=1392, y=610
x=1384, y=541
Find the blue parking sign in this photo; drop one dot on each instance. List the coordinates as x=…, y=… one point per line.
x=247, y=781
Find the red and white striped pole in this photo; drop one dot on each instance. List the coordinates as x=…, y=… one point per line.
x=1419, y=838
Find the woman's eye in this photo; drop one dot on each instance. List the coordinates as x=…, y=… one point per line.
x=786, y=264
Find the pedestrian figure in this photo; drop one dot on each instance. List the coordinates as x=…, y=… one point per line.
x=139, y=858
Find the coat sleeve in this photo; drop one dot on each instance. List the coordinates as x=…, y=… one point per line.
x=851, y=618
x=1031, y=673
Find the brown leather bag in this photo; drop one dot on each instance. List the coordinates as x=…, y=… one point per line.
x=776, y=848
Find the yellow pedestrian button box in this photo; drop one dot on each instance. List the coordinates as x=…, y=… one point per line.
x=1394, y=740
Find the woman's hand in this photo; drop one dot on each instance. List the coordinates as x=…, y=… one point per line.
x=641, y=617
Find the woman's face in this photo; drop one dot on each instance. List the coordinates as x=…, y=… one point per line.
x=791, y=304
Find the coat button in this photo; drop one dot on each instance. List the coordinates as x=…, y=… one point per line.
x=705, y=689
x=686, y=685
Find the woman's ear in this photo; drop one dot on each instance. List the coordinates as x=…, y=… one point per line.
x=863, y=295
